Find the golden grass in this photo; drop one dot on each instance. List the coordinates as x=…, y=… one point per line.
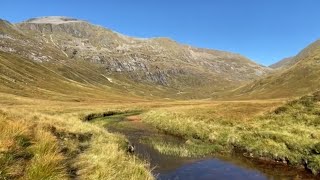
x=297, y=80
x=28, y=151
x=101, y=156
x=104, y=156
x=11, y=148
x=47, y=161
x=289, y=134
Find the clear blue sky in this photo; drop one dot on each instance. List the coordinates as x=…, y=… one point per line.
x=263, y=30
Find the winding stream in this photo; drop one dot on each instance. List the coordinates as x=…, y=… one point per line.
x=168, y=167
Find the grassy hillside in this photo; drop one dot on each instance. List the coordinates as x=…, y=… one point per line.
x=284, y=63
x=71, y=80
x=27, y=78
x=160, y=62
x=300, y=79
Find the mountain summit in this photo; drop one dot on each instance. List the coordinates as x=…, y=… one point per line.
x=53, y=20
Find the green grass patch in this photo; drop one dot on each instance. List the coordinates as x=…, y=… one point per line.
x=191, y=148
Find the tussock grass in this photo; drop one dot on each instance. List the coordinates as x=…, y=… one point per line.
x=63, y=142
x=28, y=151
x=47, y=161
x=289, y=134
x=106, y=160
x=12, y=147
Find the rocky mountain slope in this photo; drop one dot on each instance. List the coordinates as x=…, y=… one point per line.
x=90, y=54
x=299, y=78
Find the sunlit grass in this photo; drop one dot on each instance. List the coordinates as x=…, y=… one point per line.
x=289, y=134
x=190, y=148
x=101, y=155
x=27, y=151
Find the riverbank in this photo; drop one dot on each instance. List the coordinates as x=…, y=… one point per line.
x=181, y=158
x=288, y=134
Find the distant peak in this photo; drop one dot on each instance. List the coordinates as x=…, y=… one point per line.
x=53, y=20
x=4, y=21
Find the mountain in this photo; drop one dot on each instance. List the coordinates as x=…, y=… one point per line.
x=92, y=55
x=300, y=78
x=284, y=63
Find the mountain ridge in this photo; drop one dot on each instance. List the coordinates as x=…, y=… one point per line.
x=284, y=63
x=300, y=76
x=161, y=62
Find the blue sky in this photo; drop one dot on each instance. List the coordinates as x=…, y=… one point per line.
x=263, y=30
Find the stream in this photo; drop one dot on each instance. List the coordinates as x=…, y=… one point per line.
x=169, y=167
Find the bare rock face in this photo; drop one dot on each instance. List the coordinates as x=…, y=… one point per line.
x=16, y=41
x=53, y=20
x=57, y=24
x=158, y=61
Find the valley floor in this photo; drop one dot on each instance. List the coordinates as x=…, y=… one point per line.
x=53, y=139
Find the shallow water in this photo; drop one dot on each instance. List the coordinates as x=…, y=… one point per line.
x=211, y=169
x=166, y=167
